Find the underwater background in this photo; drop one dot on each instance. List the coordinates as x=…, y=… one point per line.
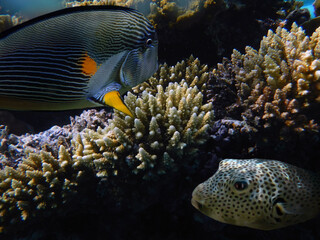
x=237, y=79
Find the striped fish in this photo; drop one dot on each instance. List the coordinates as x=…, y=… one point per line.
x=76, y=58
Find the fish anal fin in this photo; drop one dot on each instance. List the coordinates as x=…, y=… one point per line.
x=114, y=100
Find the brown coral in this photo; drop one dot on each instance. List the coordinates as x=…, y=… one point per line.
x=167, y=130
x=170, y=13
x=7, y=21
x=190, y=70
x=280, y=82
x=40, y=182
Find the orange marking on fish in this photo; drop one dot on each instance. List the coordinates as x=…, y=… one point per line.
x=88, y=65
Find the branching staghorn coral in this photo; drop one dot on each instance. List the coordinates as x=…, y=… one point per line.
x=280, y=82
x=166, y=132
x=166, y=135
x=40, y=182
x=191, y=70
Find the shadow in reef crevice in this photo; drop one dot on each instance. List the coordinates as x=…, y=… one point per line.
x=43, y=120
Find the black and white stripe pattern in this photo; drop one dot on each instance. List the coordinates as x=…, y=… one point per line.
x=44, y=75
x=40, y=60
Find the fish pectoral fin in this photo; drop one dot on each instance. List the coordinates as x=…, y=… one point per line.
x=111, y=96
x=113, y=99
x=130, y=70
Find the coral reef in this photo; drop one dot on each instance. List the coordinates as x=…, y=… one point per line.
x=279, y=84
x=275, y=91
x=189, y=70
x=39, y=183
x=166, y=137
x=13, y=148
x=166, y=132
x=170, y=13
x=112, y=175
x=7, y=21
x=183, y=26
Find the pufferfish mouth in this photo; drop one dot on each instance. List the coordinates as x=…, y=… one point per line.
x=196, y=199
x=201, y=207
x=198, y=204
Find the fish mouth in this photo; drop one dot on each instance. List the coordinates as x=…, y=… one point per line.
x=195, y=200
x=197, y=204
x=201, y=207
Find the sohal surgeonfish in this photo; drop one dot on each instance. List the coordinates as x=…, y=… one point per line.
x=76, y=58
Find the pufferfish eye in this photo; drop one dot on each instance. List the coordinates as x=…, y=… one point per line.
x=240, y=185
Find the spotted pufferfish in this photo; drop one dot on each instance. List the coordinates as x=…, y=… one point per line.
x=259, y=193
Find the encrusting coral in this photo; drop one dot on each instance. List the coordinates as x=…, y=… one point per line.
x=280, y=83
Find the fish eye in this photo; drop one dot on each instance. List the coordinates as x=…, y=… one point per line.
x=149, y=42
x=240, y=185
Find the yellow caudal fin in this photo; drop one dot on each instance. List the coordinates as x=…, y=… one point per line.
x=114, y=100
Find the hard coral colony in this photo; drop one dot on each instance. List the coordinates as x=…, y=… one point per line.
x=168, y=128
x=281, y=81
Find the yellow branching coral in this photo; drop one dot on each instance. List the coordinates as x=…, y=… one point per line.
x=191, y=70
x=281, y=81
x=40, y=182
x=167, y=129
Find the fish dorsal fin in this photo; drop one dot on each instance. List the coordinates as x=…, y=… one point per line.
x=62, y=12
